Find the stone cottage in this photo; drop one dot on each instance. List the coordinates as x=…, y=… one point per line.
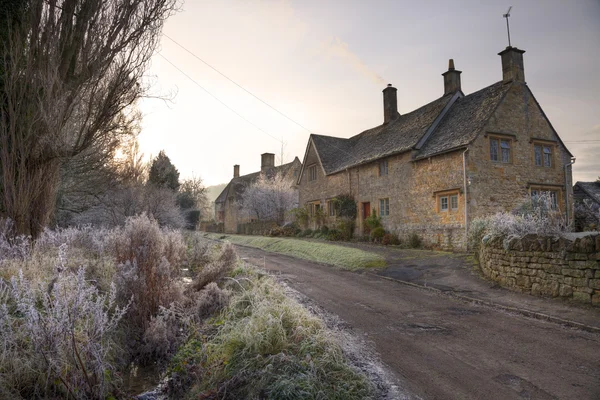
x=227, y=204
x=435, y=169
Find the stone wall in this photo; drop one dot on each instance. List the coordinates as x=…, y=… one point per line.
x=551, y=266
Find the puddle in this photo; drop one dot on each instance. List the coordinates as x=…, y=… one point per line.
x=141, y=379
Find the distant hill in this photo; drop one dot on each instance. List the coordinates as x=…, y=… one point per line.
x=212, y=192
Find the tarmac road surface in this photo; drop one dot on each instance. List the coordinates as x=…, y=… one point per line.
x=439, y=347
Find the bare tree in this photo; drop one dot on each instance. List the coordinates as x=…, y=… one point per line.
x=71, y=69
x=270, y=198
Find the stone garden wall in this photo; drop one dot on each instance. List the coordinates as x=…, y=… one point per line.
x=567, y=266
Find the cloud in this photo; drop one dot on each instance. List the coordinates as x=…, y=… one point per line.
x=339, y=48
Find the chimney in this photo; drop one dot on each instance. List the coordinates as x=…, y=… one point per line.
x=236, y=171
x=390, y=104
x=512, y=65
x=267, y=161
x=451, y=79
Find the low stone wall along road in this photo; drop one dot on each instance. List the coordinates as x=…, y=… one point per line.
x=442, y=348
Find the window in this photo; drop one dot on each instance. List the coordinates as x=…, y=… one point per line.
x=383, y=167
x=543, y=155
x=553, y=194
x=443, y=203
x=331, y=208
x=454, y=202
x=312, y=173
x=500, y=150
x=505, y=147
x=447, y=200
x=314, y=207
x=384, y=207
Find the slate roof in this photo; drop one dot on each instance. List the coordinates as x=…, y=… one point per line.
x=399, y=135
x=592, y=189
x=464, y=120
x=237, y=185
x=459, y=126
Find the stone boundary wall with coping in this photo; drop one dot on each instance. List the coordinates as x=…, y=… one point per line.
x=568, y=267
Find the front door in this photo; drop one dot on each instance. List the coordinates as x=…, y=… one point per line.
x=366, y=210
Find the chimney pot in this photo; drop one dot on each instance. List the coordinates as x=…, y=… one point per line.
x=236, y=171
x=451, y=79
x=267, y=162
x=512, y=65
x=390, y=104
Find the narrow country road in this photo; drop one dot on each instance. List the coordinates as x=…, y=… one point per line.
x=442, y=348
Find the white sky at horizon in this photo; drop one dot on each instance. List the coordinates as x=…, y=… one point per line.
x=325, y=63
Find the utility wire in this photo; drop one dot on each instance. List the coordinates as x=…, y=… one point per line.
x=237, y=84
x=235, y=112
x=217, y=99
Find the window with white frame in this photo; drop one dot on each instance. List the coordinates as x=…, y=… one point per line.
x=454, y=202
x=443, y=203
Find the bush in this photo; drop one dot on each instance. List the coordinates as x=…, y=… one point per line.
x=533, y=216
x=300, y=216
x=373, y=221
x=346, y=228
x=345, y=206
x=57, y=339
x=377, y=234
x=477, y=231
x=288, y=230
x=324, y=230
x=216, y=270
x=390, y=239
x=334, y=235
x=414, y=241
x=306, y=232
x=148, y=259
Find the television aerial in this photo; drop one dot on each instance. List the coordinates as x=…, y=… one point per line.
x=507, y=26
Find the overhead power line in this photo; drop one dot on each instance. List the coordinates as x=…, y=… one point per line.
x=237, y=84
x=217, y=99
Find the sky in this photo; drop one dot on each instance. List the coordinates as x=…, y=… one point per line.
x=320, y=67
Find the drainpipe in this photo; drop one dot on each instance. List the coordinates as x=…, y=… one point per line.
x=567, y=189
x=466, y=197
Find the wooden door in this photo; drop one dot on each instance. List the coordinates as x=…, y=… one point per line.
x=366, y=210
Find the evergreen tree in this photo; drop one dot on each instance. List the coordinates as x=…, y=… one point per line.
x=163, y=173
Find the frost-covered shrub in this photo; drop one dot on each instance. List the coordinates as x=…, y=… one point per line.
x=536, y=215
x=477, y=231
x=209, y=301
x=57, y=338
x=165, y=333
x=148, y=264
x=198, y=252
x=217, y=269
x=13, y=246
